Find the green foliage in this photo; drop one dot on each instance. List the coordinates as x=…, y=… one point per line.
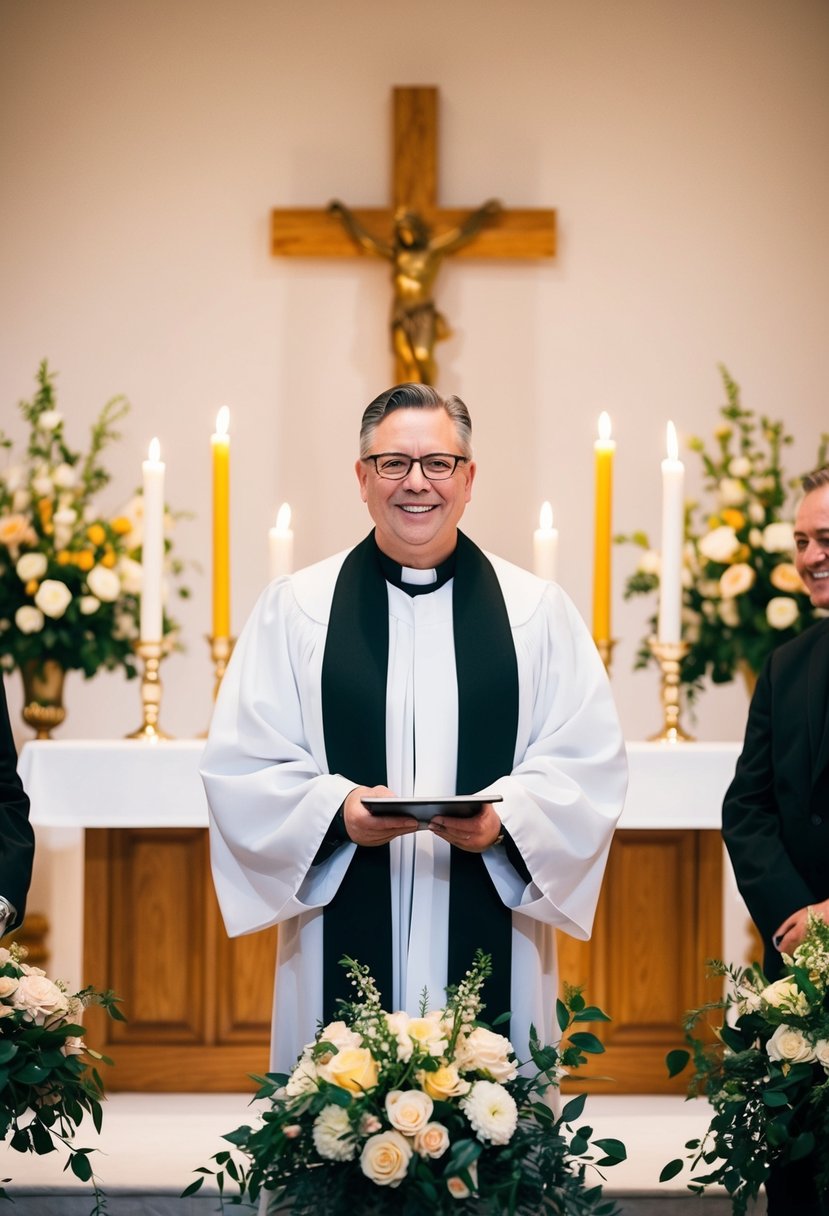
x=538, y=1163
x=742, y=595
x=48, y=1078
x=765, y=1075
x=69, y=576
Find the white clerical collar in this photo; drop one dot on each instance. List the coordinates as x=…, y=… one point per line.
x=420, y=578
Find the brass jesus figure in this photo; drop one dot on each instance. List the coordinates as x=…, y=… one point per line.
x=415, y=256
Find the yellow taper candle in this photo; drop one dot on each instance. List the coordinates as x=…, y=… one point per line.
x=604, y=449
x=220, y=445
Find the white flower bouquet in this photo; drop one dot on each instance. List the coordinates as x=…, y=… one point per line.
x=391, y=1113
x=48, y=1074
x=766, y=1075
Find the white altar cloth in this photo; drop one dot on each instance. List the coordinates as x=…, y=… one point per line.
x=103, y=783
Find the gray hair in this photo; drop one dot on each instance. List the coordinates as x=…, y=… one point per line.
x=415, y=396
x=815, y=479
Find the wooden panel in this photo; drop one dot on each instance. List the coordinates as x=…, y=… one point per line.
x=415, y=147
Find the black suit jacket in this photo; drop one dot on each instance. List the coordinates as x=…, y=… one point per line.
x=17, y=843
x=776, y=811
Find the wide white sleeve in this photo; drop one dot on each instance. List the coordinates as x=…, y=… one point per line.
x=567, y=789
x=270, y=799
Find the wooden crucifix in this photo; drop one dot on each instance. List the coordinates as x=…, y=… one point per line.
x=414, y=234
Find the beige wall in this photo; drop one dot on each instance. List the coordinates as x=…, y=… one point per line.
x=144, y=142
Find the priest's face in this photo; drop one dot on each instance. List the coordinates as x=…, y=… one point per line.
x=416, y=519
x=811, y=542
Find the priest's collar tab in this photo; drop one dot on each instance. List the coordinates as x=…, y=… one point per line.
x=413, y=581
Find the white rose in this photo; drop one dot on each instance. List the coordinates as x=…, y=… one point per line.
x=487, y=1052
x=53, y=598
x=790, y=1045
x=333, y=1137
x=431, y=1141
x=64, y=476
x=457, y=1187
x=89, y=604
x=31, y=565
x=29, y=619
x=385, y=1158
x=65, y=517
x=720, y=544
x=740, y=466
x=49, y=420
x=13, y=476
x=338, y=1034
x=42, y=486
x=104, y=583
x=755, y=538
x=408, y=1110
x=756, y=512
x=303, y=1079
x=650, y=562
x=8, y=984
x=132, y=575
x=778, y=538
x=729, y=614
x=429, y=1033
x=737, y=579
x=39, y=998
x=822, y=1053
x=785, y=578
x=124, y=627
x=785, y=994
x=398, y=1024
x=21, y=500
x=491, y=1111
x=782, y=611
x=732, y=492
x=73, y=1046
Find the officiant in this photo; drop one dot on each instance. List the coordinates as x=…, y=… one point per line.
x=17, y=842
x=415, y=664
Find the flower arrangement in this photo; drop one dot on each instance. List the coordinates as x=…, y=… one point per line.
x=46, y=1081
x=742, y=594
x=70, y=577
x=387, y=1113
x=766, y=1076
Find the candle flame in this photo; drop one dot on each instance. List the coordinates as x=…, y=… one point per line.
x=545, y=519
x=604, y=425
x=154, y=452
x=671, y=442
x=283, y=518
x=223, y=420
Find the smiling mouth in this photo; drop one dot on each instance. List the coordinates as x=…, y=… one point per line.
x=411, y=509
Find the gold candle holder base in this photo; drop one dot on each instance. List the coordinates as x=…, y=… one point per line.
x=669, y=655
x=151, y=654
x=605, y=649
x=220, y=651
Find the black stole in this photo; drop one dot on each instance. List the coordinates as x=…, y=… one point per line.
x=358, y=921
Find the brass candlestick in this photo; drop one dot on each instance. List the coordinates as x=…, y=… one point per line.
x=151, y=654
x=605, y=649
x=669, y=656
x=220, y=651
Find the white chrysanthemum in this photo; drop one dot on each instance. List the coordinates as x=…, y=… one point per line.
x=491, y=1111
x=53, y=598
x=782, y=611
x=31, y=565
x=333, y=1137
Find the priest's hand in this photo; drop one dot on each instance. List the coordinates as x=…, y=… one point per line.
x=372, y=830
x=793, y=930
x=474, y=835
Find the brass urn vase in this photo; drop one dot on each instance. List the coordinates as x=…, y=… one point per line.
x=43, y=708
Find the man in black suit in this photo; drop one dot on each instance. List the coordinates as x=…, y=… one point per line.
x=17, y=844
x=776, y=811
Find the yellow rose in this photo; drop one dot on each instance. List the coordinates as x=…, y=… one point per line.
x=354, y=1069
x=96, y=534
x=64, y=558
x=734, y=518
x=109, y=559
x=444, y=1083
x=785, y=578
x=85, y=560
x=32, y=586
x=120, y=525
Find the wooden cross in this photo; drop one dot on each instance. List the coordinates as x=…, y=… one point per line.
x=516, y=233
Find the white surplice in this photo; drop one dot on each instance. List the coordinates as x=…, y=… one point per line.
x=272, y=800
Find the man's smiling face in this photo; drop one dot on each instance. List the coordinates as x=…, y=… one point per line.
x=811, y=539
x=416, y=519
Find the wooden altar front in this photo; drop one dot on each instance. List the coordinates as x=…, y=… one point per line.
x=199, y=1003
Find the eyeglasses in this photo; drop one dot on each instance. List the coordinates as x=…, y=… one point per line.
x=437, y=466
